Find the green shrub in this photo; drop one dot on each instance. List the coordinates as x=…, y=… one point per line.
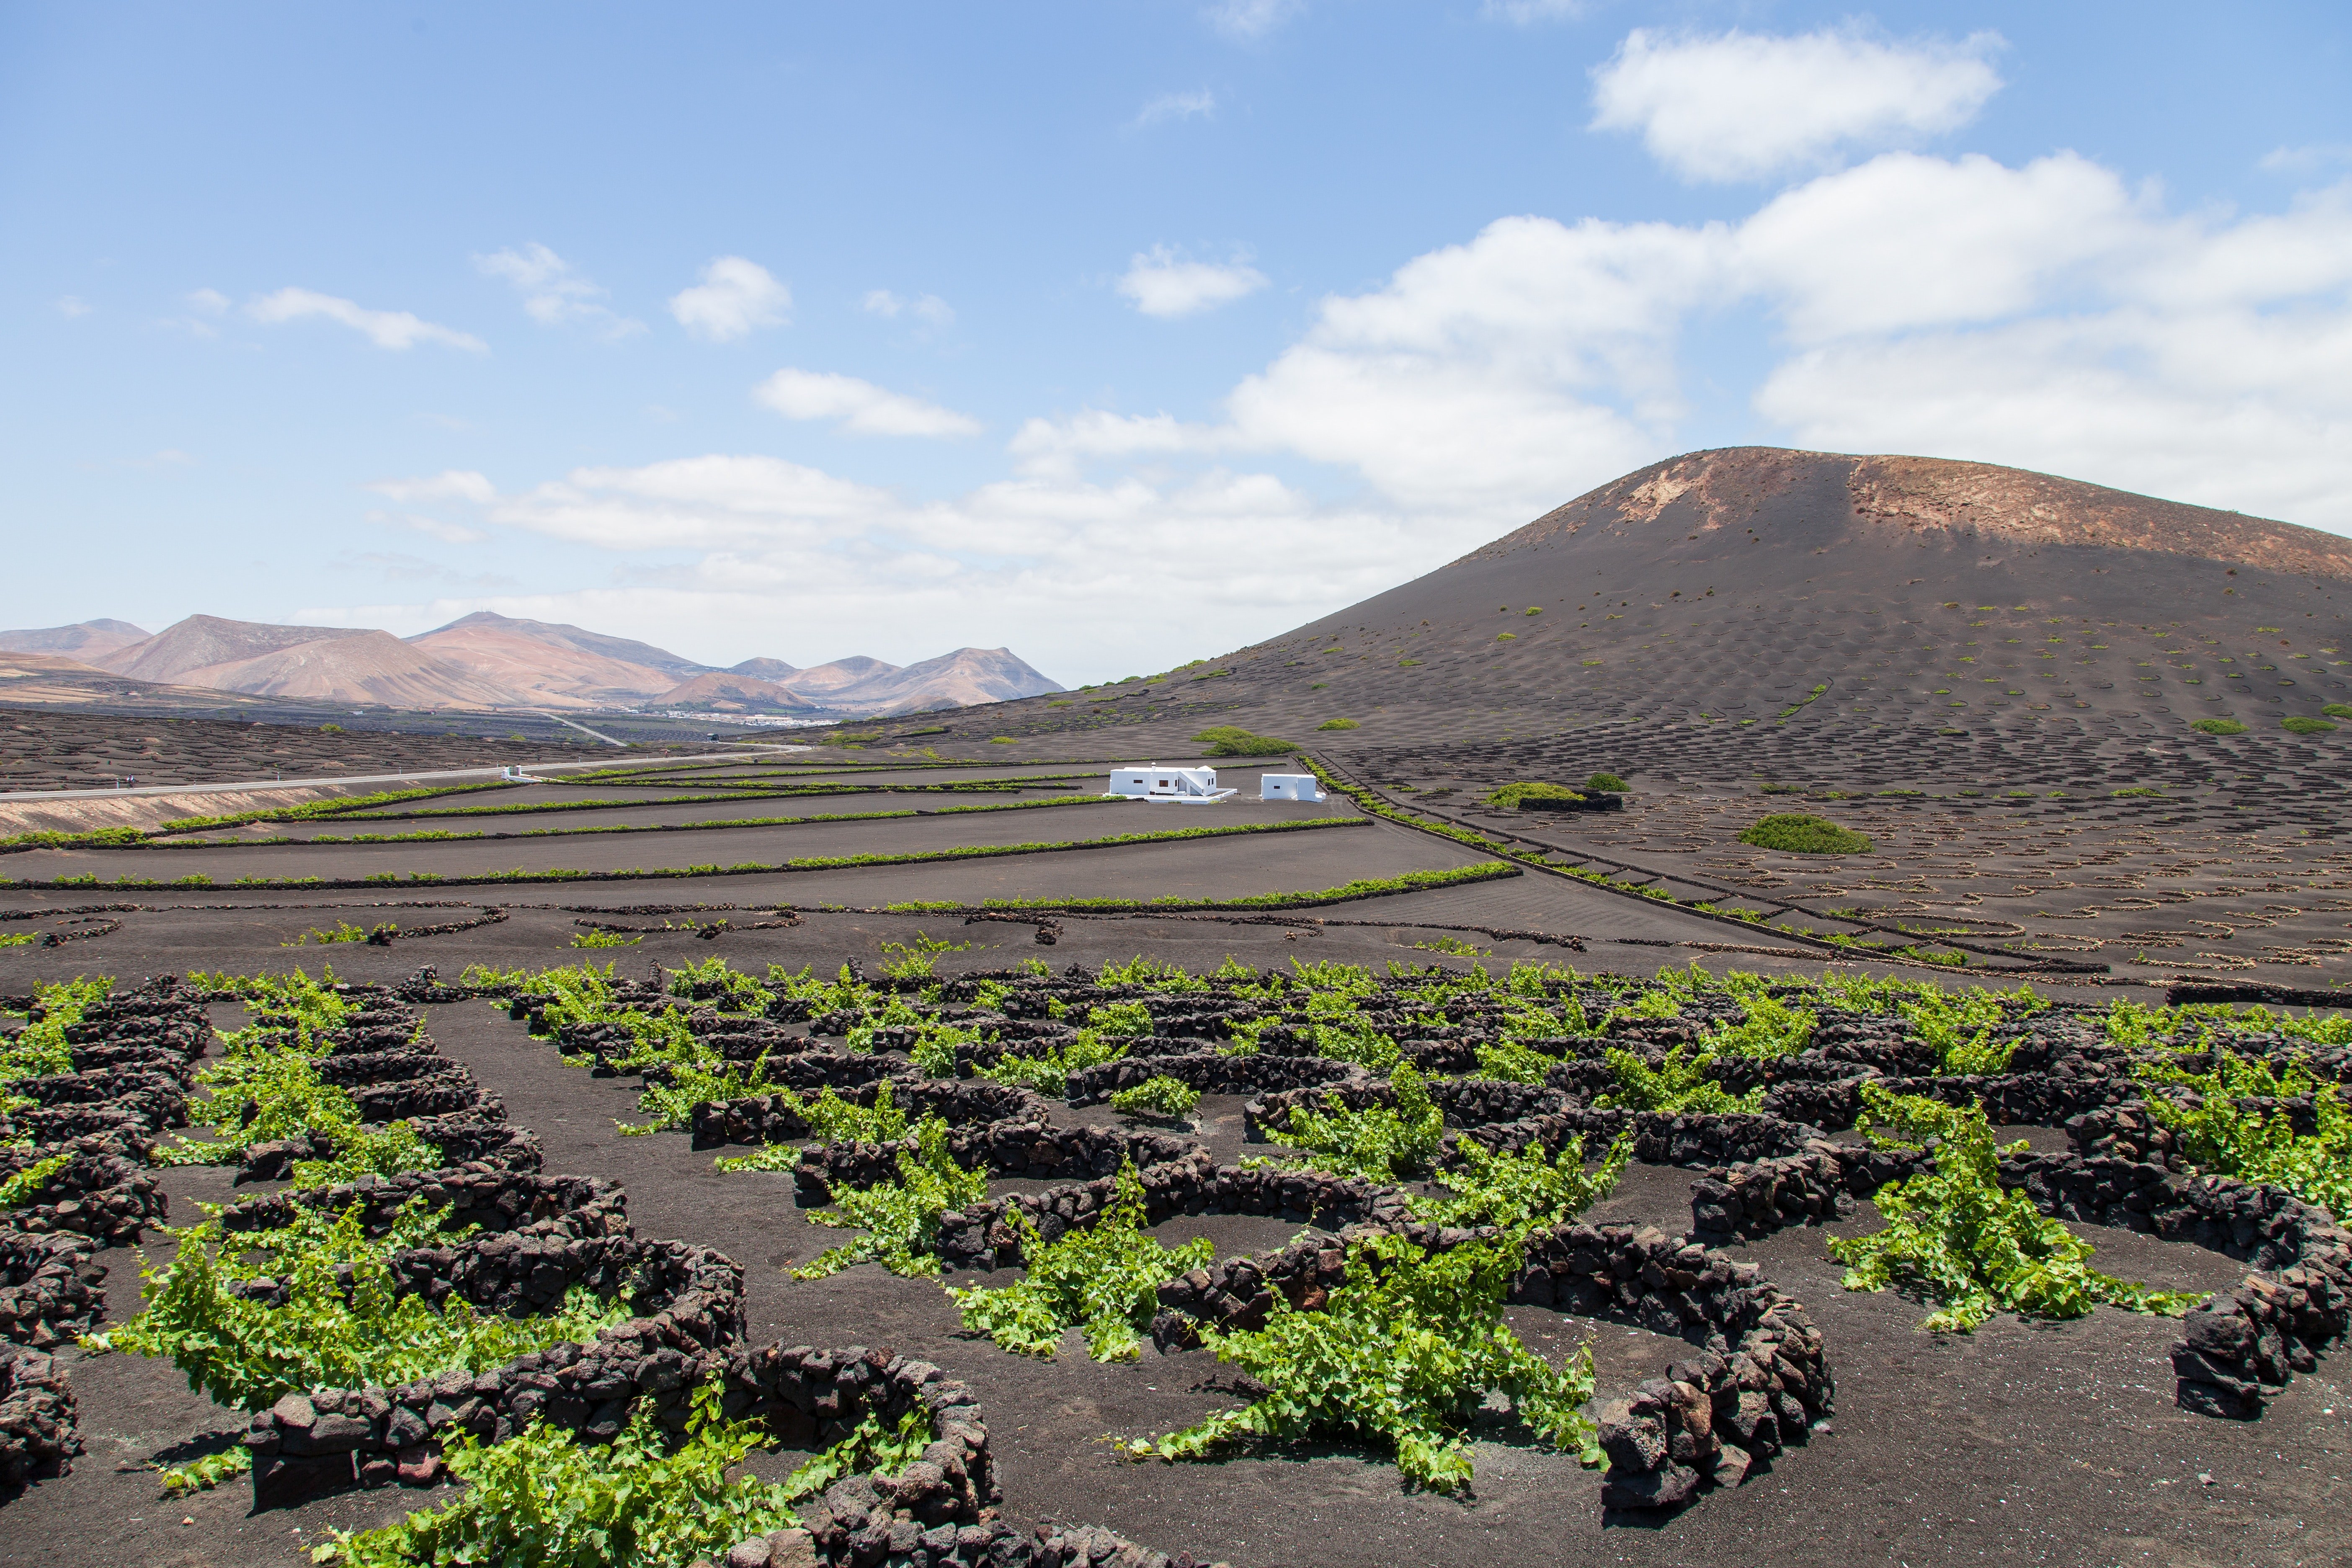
x=1524, y=1192
x=244, y=1353
x=1232, y=741
x=2217, y=1135
x=1797, y=833
x=1337, y=724
x=1157, y=1096
x=644, y=1501
x=1955, y=1236
x=1607, y=783
x=1675, y=1087
x=1510, y=796
x=2338, y=711
x=2300, y=725
x=1403, y=1356
x=2218, y=726
x=1102, y=1278
x=1379, y=1144
x=899, y=1217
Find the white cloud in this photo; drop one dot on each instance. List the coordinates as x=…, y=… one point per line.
x=2306, y=160
x=1741, y=106
x=1909, y=241
x=862, y=407
x=2048, y=316
x=71, y=306
x=735, y=298
x=450, y=484
x=926, y=307
x=1161, y=283
x=1252, y=18
x=554, y=294
x=210, y=301
x=385, y=329
x=1177, y=106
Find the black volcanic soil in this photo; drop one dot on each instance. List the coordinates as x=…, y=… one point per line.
x=2053, y=1444
x=45, y=749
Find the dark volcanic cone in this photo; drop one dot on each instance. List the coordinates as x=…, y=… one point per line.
x=1866, y=592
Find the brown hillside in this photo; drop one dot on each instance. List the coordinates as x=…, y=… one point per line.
x=720, y=693
x=1799, y=592
x=83, y=639
x=551, y=672
x=364, y=666
x=202, y=642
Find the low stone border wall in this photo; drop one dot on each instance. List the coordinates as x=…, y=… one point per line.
x=763, y=1118
x=37, y=1436
x=50, y=1287
x=693, y=1301
x=497, y=1199
x=983, y=1237
x=2237, y=1349
x=1018, y=1148
x=100, y=1193
x=1756, y=1381
x=1758, y=1384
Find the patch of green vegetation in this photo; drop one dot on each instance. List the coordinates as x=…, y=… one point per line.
x=2221, y=1133
x=1797, y=833
x=1454, y=945
x=1232, y=741
x=1506, y=637
x=1158, y=1094
x=354, y=1333
x=645, y=1499
x=2338, y=711
x=1675, y=1086
x=604, y=938
x=1102, y=1279
x=1403, y=1356
x=1380, y=1143
x=1337, y=724
x=2218, y=726
x=1510, y=796
x=2297, y=724
x=1955, y=1236
x=917, y=960
x=1607, y=783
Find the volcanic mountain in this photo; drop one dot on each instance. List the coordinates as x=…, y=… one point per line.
x=556, y=666
x=721, y=692
x=1768, y=587
x=83, y=640
x=861, y=685
x=341, y=664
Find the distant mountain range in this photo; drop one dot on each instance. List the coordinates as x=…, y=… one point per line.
x=489, y=661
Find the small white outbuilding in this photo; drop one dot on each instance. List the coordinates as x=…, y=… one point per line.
x=1289, y=786
x=1184, y=787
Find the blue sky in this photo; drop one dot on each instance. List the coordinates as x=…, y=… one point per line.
x=810, y=331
